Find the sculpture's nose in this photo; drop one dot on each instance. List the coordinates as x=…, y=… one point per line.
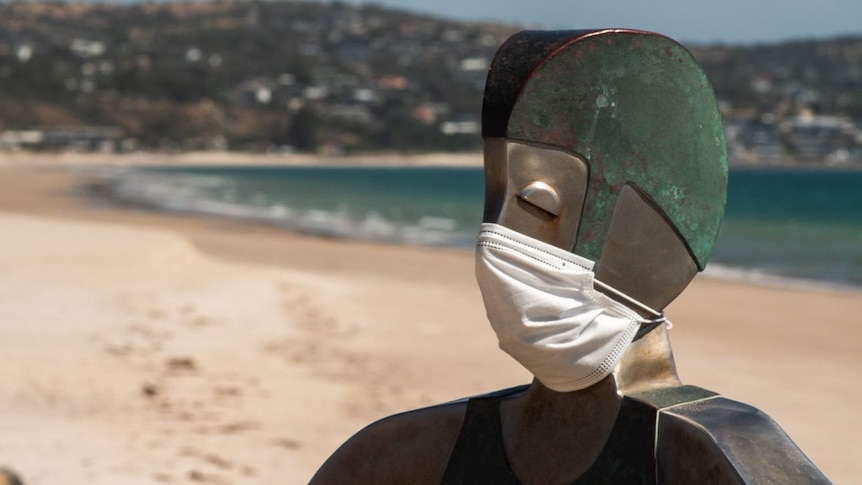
x=542, y=196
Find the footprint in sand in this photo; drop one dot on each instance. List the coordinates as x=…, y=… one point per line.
x=213, y=461
x=287, y=443
x=137, y=340
x=307, y=314
x=180, y=365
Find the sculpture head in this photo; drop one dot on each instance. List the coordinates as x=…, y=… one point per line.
x=609, y=144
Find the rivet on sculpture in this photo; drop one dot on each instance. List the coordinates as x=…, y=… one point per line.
x=605, y=182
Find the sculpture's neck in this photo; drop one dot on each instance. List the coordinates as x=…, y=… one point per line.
x=554, y=437
x=647, y=364
x=540, y=423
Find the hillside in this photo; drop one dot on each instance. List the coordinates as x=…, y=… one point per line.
x=336, y=77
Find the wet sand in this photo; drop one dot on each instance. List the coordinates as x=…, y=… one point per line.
x=154, y=348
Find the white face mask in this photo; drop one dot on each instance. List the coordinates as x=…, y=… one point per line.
x=541, y=303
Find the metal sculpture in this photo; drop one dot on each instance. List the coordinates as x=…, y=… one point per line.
x=607, y=144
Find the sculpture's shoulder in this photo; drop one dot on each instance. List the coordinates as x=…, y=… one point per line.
x=712, y=439
x=411, y=447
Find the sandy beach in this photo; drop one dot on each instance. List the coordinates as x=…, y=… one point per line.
x=153, y=348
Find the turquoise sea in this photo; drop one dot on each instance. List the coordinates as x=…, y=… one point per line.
x=788, y=226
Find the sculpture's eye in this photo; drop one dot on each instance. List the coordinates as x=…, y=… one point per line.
x=542, y=196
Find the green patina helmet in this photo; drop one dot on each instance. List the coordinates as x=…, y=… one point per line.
x=635, y=106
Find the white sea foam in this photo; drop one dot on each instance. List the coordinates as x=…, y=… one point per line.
x=213, y=196
x=193, y=198
x=438, y=223
x=765, y=278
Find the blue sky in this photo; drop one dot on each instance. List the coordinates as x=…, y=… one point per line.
x=693, y=21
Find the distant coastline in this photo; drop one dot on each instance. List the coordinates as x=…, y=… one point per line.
x=315, y=77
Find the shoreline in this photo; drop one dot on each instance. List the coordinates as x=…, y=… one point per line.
x=715, y=270
x=384, y=159
x=247, y=354
x=731, y=274
x=144, y=159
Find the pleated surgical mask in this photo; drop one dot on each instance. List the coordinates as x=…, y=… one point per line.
x=543, y=306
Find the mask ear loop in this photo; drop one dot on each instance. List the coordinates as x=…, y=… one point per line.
x=646, y=326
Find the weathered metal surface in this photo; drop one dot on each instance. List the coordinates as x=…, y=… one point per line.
x=512, y=64
x=719, y=441
x=636, y=107
x=672, y=396
x=643, y=254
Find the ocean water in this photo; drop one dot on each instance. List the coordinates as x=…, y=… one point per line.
x=789, y=226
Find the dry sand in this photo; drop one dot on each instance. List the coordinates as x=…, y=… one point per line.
x=72, y=159
x=147, y=348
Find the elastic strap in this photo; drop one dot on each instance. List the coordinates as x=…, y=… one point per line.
x=658, y=316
